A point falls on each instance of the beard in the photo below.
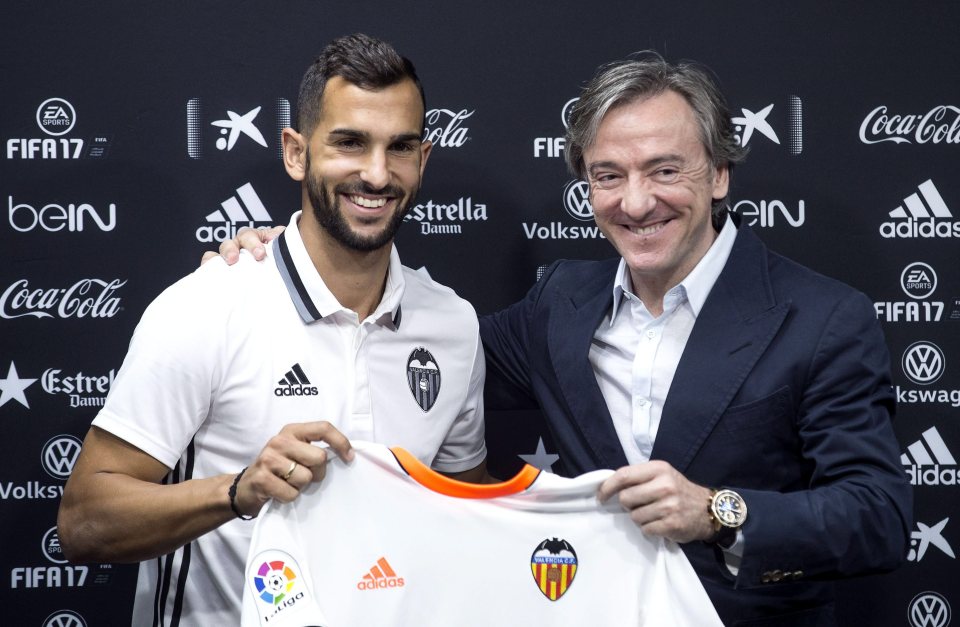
(326, 210)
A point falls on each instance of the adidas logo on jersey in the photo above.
(295, 383)
(380, 576)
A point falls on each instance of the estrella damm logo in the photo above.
(554, 565)
(273, 581)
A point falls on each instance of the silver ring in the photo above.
(293, 466)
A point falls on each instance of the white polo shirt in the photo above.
(385, 541)
(226, 356)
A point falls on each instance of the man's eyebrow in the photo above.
(406, 137)
(651, 163)
(355, 134)
(348, 132)
(602, 165)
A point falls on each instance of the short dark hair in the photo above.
(643, 76)
(359, 59)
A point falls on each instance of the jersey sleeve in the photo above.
(464, 447)
(277, 587)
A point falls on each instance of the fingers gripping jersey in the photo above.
(386, 541)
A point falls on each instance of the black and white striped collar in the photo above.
(310, 295)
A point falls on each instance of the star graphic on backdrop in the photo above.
(751, 122)
(12, 387)
(927, 535)
(541, 459)
(240, 124)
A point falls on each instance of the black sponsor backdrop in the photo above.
(498, 78)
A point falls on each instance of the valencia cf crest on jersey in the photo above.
(423, 376)
(554, 565)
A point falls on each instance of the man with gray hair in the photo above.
(745, 399)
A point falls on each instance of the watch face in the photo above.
(729, 508)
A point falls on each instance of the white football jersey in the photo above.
(384, 540)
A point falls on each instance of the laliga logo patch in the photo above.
(423, 376)
(554, 565)
(273, 581)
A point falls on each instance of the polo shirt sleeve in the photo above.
(163, 391)
(463, 447)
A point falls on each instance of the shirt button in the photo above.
(651, 334)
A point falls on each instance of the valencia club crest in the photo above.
(423, 376)
(554, 565)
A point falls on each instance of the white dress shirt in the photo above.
(634, 355)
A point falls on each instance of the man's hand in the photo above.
(661, 501)
(248, 239)
(288, 463)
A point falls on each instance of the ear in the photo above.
(426, 147)
(294, 154)
(721, 182)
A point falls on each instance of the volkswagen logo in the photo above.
(576, 200)
(923, 362)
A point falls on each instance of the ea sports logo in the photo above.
(576, 200)
(923, 362)
(51, 546)
(56, 116)
(918, 280)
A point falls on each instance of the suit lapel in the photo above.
(738, 320)
(575, 317)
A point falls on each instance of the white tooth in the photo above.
(648, 230)
(363, 202)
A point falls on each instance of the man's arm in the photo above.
(115, 509)
(856, 516)
(848, 513)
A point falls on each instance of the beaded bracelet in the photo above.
(233, 497)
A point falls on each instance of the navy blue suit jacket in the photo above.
(782, 393)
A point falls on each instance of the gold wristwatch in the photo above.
(728, 512)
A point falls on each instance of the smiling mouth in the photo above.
(367, 203)
(647, 230)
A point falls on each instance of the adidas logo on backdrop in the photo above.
(928, 461)
(236, 212)
(921, 215)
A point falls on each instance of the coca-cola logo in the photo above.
(939, 125)
(87, 298)
(444, 127)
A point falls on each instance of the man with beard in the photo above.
(233, 372)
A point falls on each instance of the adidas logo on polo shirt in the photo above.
(295, 383)
(380, 576)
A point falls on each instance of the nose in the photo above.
(375, 171)
(638, 197)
